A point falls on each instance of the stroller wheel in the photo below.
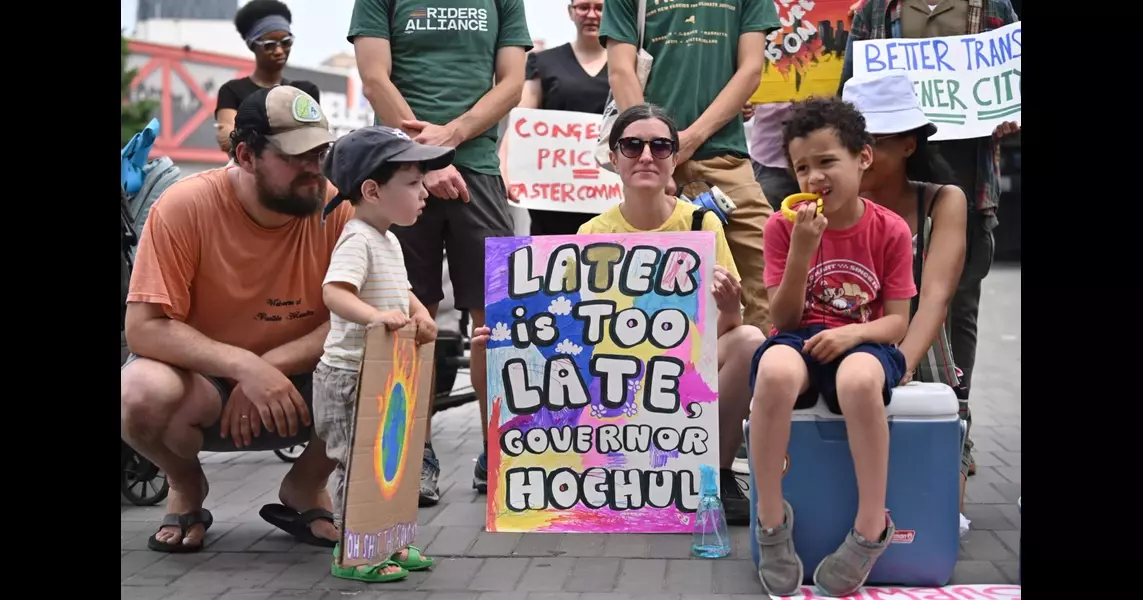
(290, 454)
(141, 481)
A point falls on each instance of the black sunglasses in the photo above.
(632, 147)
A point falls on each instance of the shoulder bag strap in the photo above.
(642, 22)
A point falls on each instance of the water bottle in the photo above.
(711, 538)
(715, 201)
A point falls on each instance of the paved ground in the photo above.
(247, 558)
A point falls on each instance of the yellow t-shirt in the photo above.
(681, 218)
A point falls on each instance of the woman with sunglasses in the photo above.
(644, 149)
(568, 77)
(909, 177)
(265, 26)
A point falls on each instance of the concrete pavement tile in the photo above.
(1010, 539)
(987, 516)
(503, 596)
(132, 562)
(583, 544)
(553, 596)
(546, 574)
(452, 574)
(593, 575)
(1010, 569)
(189, 594)
(985, 459)
(426, 514)
(243, 537)
(1011, 513)
(629, 545)
(689, 577)
(987, 475)
(237, 571)
(984, 545)
(630, 596)
(1010, 491)
(168, 569)
(1012, 459)
(453, 596)
(1011, 441)
(979, 492)
(1010, 473)
(452, 541)
(539, 544)
(277, 541)
(461, 514)
(670, 546)
(494, 544)
(735, 577)
(150, 592)
(299, 594)
(635, 573)
(498, 575)
(247, 595)
(968, 572)
(425, 536)
(304, 573)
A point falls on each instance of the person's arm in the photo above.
(417, 309)
(224, 113)
(897, 288)
(300, 355)
(943, 266)
(348, 271)
(758, 18)
(494, 105)
(889, 329)
(533, 95)
(619, 34)
(784, 275)
(153, 334)
(369, 34)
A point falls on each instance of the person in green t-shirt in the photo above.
(429, 69)
(707, 63)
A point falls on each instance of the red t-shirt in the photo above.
(853, 272)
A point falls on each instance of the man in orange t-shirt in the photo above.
(225, 319)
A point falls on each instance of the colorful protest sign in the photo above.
(550, 163)
(804, 57)
(948, 592)
(967, 84)
(383, 479)
(602, 381)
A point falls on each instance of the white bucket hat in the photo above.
(888, 103)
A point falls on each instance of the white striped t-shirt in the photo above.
(373, 263)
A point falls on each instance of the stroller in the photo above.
(141, 183)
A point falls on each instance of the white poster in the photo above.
(550, 164)
(967, 84)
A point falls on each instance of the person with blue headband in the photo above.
(265, 27)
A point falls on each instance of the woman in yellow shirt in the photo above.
(644, 149)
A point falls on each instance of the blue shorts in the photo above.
(823, 378)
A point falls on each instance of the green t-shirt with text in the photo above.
(444, 58)
(695, 47)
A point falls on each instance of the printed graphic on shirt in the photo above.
(707, 26)
(434, 18)
(280, 309)
(843, 288)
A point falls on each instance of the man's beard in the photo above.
(294, 201)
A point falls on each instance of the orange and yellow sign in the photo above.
(804, 58)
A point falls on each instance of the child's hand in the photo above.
(426, 329)
(828, 345)
(808, 228)
(727, 291)
(392, 319)
(480, 338)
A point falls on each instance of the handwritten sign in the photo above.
(383, 475)
(948, 592)
(550, 162)
(967, 84)
(805, 56)
(602, 381)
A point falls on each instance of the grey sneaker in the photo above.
(845, 571)
(430, 472)
(779, 568)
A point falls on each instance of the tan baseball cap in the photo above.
(290, 119)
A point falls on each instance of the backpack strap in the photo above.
(697, 217)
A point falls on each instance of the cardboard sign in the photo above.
(383, 477)
(804, 58)
(550, 163)
(602, 381)
(967, 84)
(948, 592)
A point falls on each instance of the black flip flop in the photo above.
(184, 523)
(297, 524)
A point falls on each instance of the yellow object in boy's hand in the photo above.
(794, 199)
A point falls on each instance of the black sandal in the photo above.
(297, 523)
(184, 523)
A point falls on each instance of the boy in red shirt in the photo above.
(839, 284)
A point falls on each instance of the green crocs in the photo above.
(366, 573)
(415, 561)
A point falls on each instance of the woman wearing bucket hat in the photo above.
(909, 177)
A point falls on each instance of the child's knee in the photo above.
(782, 375)
(860, 381)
